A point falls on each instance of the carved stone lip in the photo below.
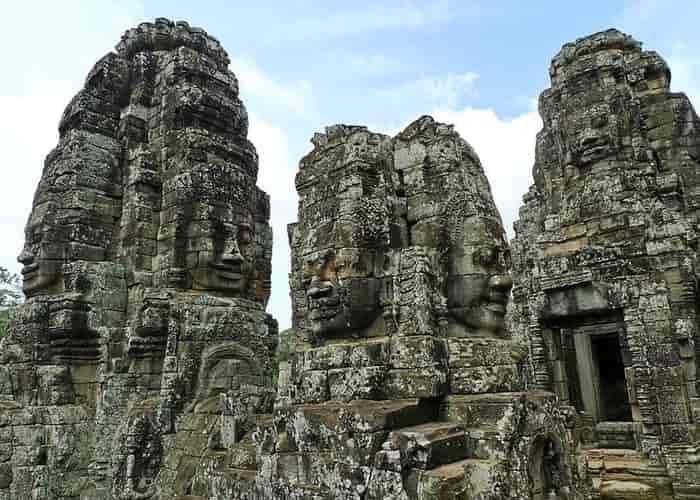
(325, 313)
(497, 302)
(496, 307)
(28, 270)
(594, 150)
(231, 276)
(324, 302)
(227, 271)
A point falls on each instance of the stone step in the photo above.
(476, 410)
(627, 490)
(626, 475)
(358, 428)
(462, 480)
(367, 415)
(616, 435)
(427, 446)
(485, 443)
(614, 460)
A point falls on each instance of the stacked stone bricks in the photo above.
(143, 354)
(607, 244)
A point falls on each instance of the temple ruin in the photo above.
(146, 271)
(605, 265)
(430, 362)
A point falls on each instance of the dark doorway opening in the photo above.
(612, 385)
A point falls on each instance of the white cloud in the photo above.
(255, 83)
(433, 91)
(375, 17)
(506, 148)
(371, 64)
(276, 177)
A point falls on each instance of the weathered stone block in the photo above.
(486, 379)
(419, 382)
(347, 384)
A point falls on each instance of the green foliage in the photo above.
(10, 288)
(10, 296)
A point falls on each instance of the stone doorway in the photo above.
(613, 401)
(601, 373)
(589, 357)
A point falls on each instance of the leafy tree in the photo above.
(10, 296)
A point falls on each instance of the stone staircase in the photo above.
(446, 457)
(624, 474)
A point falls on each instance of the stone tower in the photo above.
(405, 382)
(143, 351)
(605, 262)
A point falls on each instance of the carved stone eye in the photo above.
(244, 235)
(486, 257)
(36, 234)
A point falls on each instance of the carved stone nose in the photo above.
(501, 282)
(25, 257)
(233, 255)
(318, 288)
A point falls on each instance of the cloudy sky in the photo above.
(306, 64)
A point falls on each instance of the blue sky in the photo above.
(307, 64)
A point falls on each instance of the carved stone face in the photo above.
(227, 264)
(478, 283)
(590, 132)
(42, 257)
(340, 280)
(341, 290)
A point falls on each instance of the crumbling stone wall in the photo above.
(606, 244)
(146, 271)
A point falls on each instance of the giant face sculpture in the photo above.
(217, 207)
(590, 132)
(342, 268)
(73, 214)
(478, 284)
(42, 256)
(227, 264)
(341, 290)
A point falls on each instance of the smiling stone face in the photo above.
(341, 243)
(342, 269)
(229, 265)
(214, 233)
(478, 282)
(591, 133)
(42, 258)
(342, 290)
